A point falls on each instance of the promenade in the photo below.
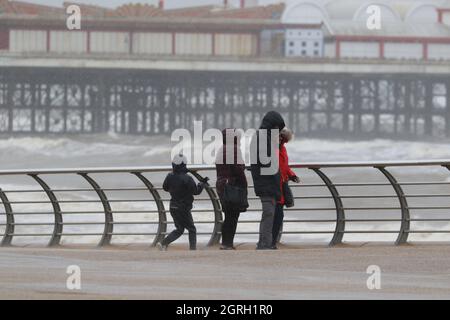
(407, 272)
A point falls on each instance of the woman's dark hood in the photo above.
(179, 164)
(273, 120)
(231, 132)
(230, 149)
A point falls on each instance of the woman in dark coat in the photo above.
(230, 169)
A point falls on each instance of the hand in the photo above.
(204, 180)
(295, 179)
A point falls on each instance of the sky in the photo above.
(115, 3)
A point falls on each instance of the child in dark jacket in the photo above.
(182, 189)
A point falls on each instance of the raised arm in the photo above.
(193, 188)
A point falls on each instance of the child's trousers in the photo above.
(183, 220)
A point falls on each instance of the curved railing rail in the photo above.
(147, 177)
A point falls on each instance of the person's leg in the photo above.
(233, 225)
(227, 228)
(266, 226)
(277, 223)
(179, 228)
(190, 226)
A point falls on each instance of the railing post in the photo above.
(58, 227)
(9, 230)
(340, 214)
(405, 224)
(162, 215)
(109, 220)
(218, 218)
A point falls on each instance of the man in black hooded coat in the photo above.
(267, 185)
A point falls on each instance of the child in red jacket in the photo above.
(287, 175)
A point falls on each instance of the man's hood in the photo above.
(273, 120)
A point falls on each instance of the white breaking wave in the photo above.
(113, 150)
(66, 147)
(371, 150)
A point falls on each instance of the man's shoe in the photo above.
(226, 248)
(161, 247)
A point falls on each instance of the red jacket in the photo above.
(285, 171)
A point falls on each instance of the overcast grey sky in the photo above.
(114, 3)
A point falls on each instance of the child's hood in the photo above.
(179, 164)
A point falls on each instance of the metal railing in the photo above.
(154, 195)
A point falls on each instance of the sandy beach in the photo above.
(407, 272)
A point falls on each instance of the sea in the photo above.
(135, 211)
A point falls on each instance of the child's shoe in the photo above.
(161, 247)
